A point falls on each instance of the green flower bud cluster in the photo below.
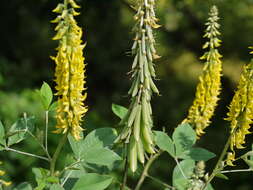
(198, 178)
(138, 121)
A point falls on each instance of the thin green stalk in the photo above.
(161, 182)
(146, 168)
(179, 167)
(41, 145)
(46, 133)
(217, 167)
(122, 187)
(57, 152)
(27, 154)
(240, 170)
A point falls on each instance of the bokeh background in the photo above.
(25, 36)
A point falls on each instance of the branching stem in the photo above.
(218, 165)
(239, 170)
(26, 153)
(125, 173)
(146, 168)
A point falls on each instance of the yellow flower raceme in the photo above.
(70, 70)
(3, 182)
(240, 112)
(208, 88)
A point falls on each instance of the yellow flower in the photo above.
(3, 182)
(240, 112)
(70, 70)
(208, 88)
(230, 158)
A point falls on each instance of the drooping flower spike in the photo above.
(208, 88)
(70, 70)
(138, 122)
(240, 112)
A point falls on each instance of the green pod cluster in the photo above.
(138, 122)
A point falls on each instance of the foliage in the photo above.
(96, 161)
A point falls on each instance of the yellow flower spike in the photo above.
(208, 88)
(70, 70)
(241, 109)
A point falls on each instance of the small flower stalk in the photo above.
(138, 122)
(209, 86)
(3, 182)
(240, 112)
(70, 70)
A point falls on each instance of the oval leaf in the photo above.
(93, 181)
(184, 138)
(164, 142)
(118, 110)
(198, 154)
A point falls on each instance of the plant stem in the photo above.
(179, 167)
(161, 182)
(70, 166)
(125, 173)
(26, 153)
(217, 167)
(66, 178)
(57, 152)
(240, 170)
(46, 132)
(146, 168)
(41, 145)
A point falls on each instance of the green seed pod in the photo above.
(132, 115)
(146, 131)
(133, 155)
(148, 147)
(153, 87)
(140, 151)
(135, 61)
(137, 123)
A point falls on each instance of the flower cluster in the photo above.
(208, 88)
(138, 121)
(240, 112)
(70, 70)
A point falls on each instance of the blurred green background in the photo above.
(26, 45)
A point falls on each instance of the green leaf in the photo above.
(23, 186)
(18, 130)
(2, 134)
(197, 154)
(222, 176)
(178, 180)
(93, 181)
(46, 95)
(249, 162)
(98, 138)
(164, 142)
(43, 178)
(53, 106)
(184, 138)
(248, 158)
(209, 187)
(56, 187)
(118, 110)
(101, 156)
